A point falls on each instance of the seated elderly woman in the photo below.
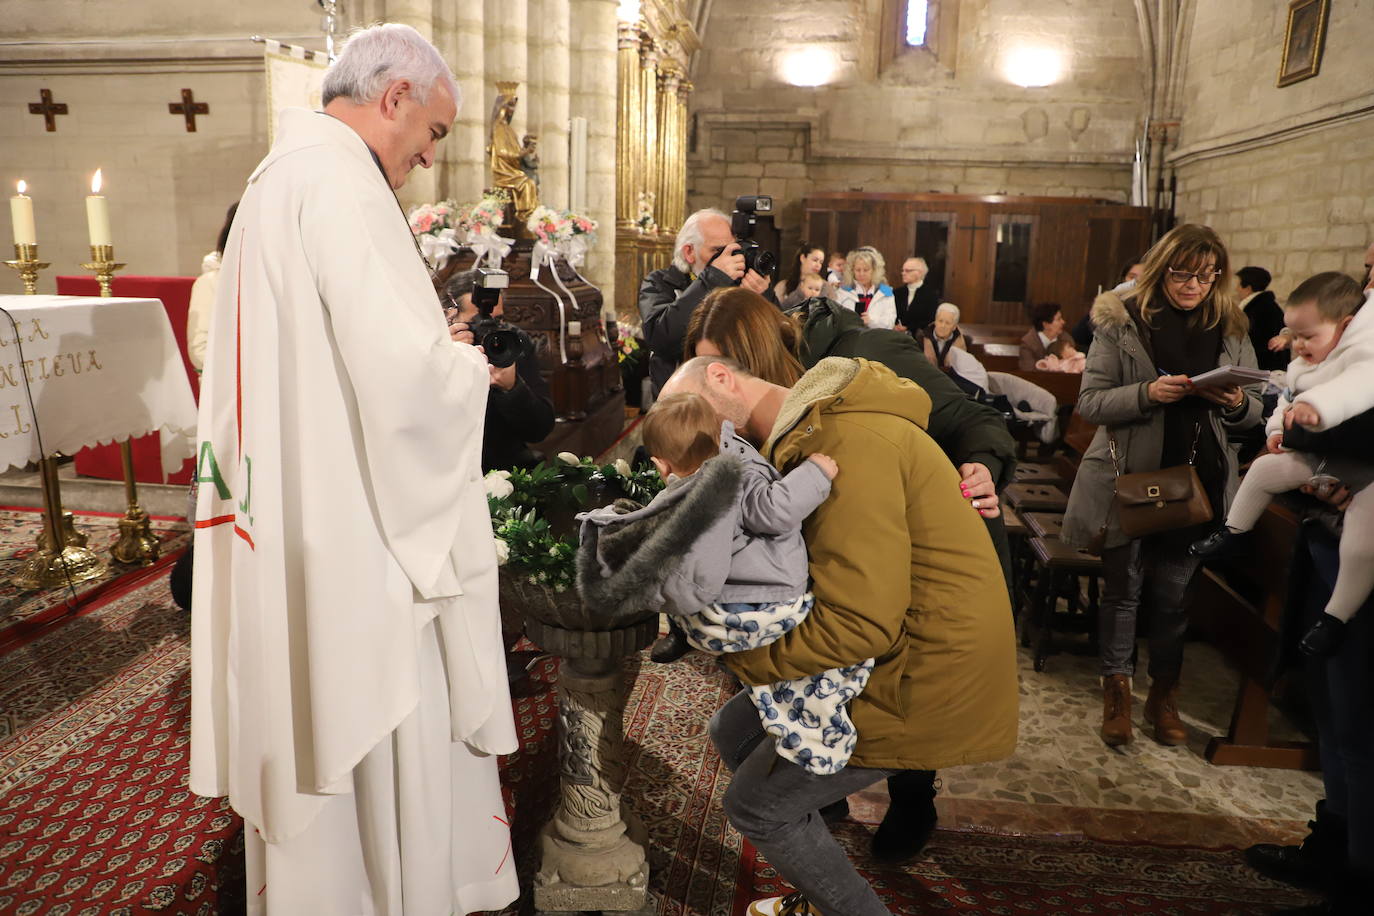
(942, 335)
(865, 291)
(1047, 326)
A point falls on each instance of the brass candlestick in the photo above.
(136, 542)
(103, 265)
(27, 263)
(47, 566)
(61, 557)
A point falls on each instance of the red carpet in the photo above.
(969, 872)
(24, 615)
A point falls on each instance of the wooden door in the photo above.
(991, 255)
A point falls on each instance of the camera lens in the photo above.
(502, 348)
(764, 262)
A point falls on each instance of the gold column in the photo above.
(667, 152)
(648, 132)
(627, 147)
(678, 205)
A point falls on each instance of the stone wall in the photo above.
(944, 120)
(1285, 175)
(117, 65)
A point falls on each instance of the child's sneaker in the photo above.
(794, 904)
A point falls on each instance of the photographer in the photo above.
(519, 408)
(706, 256)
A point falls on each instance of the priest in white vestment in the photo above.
(349, 686)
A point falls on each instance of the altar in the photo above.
(78, 371)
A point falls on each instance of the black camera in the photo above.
(742, 222)
(503, 343)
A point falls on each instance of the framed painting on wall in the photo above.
(1302, 42)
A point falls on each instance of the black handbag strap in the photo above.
(1116, 457)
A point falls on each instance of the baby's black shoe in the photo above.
(1325, 638)
(1220, 544)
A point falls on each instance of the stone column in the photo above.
(594, 98)
(466, 147)
(678, 205)
(423, 185)
(648, 118)
(548, 53)
(506, 58)
(627, 137)
(669, 152)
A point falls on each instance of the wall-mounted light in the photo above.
(1031, 66)
(627, 10)
(810, 66)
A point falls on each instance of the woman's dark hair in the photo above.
(228, 224)
(794, 274)
(1126, 268)
(1043, 313)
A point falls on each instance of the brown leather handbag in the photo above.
(1149, 502)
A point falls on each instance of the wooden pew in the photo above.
(1238, 608)
(993, 333)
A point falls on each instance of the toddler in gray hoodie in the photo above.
(765, 594)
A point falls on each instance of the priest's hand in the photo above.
(461, 332)
(502, 378)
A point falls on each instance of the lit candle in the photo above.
(21, 216)
(98, 214)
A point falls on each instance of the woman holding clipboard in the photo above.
(1146, 386)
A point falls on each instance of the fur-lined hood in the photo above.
(837, 385)
(1110, 311)
(672, 555)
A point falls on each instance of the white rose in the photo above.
(504, 475)
(622, 467)
(502, 552)
(569, 458)
(498, 487)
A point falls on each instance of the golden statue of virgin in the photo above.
(508, 169)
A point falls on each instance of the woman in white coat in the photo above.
(865, 288)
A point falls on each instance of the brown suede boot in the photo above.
(1161, 711)
(1116, 710)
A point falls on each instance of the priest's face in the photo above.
(411, 131)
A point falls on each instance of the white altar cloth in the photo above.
(98, 371)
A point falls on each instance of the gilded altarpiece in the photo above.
(651, 144)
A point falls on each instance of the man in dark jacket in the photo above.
(705, 256)
(916, 299)
(1266, 318)
(519, 407)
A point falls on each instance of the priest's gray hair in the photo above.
(691, 234)
(379, 55)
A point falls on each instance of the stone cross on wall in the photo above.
(48, 109)
(189, 107)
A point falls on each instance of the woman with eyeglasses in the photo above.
(1179, 321)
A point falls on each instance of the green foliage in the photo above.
(519, 518)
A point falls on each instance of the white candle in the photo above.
(577, 165)
(21, 217)
(98, 214)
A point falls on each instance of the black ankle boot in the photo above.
(1315, 863)
(1220, 544)
(910, 819)
(671, 647)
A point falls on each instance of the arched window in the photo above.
(925, 29)
(913, 25)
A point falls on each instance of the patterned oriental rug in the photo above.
(26, 614)
(702, 867)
